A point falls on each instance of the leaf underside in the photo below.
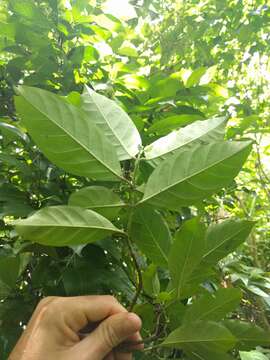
(66, 136)
(192, 175)
(65, 226)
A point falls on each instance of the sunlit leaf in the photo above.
(164, 126)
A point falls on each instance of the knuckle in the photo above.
(111, 299)
(48, 306)
(109, 336)
(46, 301)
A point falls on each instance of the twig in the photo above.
(136, 264)
(139, 287)
(136, 167)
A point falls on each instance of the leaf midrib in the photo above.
(68, 226)
(223, 340)
(103, 206)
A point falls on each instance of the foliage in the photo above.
(121, 144)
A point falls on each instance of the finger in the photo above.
(109, 334)
(78, 311)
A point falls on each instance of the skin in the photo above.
(52, 332)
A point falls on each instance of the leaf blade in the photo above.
(65, 226)
(213, 307)
(186, 253)
(206, 130)
(66, 137)
(115, 122)
(248, 335)
(97, 198)
(151, 233)
(224, 238)
(200, 336)
(194, 174)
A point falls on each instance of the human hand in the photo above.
(52, 332)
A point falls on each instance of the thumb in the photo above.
(110, 333)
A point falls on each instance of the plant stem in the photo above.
(136, 167)
(139, 287)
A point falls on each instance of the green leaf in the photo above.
(15, 208)
(77, 278)
(208, 75)
(74, 98)
(253, 355)
(152, 235)
(16, 163)
(163, 88)
(199, 131)
(9, 270)
(65, 226)
(151, 282)
(108, 22)
(175, 313)
(224, 238)
(148, 316)
(194, 174)
(186, 253)
(248, 335)
(12, 132)
(213, 307)
(201, 337)
(174, 122)
(114, 122)
(90, 54)
(201, 273)
(66, 136)
(98, 198)
(4, 290)
(128, 49)
(9, 192)
(208, 354)
(195, 77)
(7, 30)
(218, 90)
(13, 202)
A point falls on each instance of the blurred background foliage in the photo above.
(167, 63)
